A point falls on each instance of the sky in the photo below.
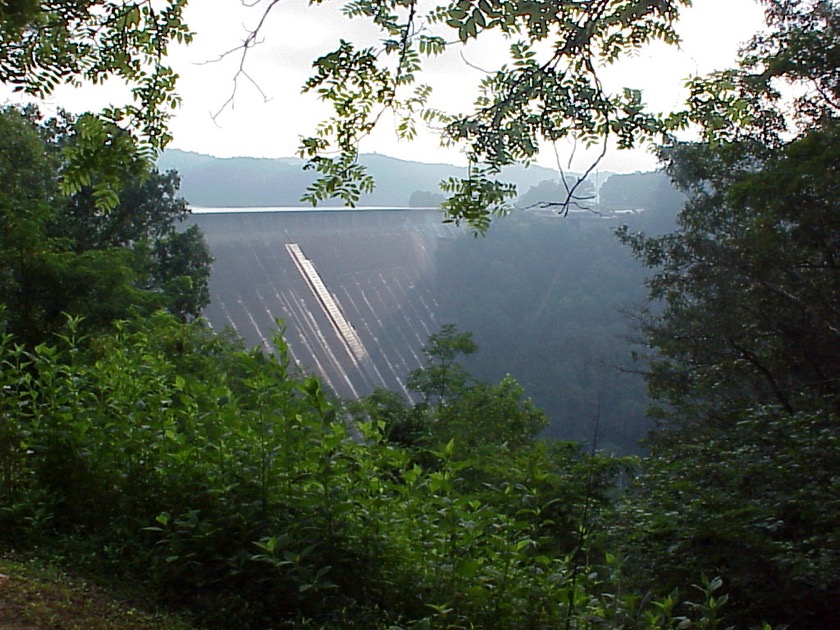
(268, 121)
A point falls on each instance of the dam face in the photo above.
(355, 289)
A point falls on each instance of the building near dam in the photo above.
(354, 289)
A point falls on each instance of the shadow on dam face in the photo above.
(355, 289)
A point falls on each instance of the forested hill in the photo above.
(243, 181)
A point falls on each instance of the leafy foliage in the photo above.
(230, 485)
(754, 502)
(757, 249)
(470, 420)
(745, 351)
(745, 374)
(65, 255)
(44, 45)
(443, 376)
(545, 92)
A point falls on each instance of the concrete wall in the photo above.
(378, 267)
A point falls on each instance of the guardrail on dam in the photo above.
(356, 289)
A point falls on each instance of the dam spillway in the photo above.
(355, 289)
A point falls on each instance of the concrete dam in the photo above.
(355, 289)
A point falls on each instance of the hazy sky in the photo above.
(297, 33)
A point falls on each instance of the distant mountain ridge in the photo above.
(208, 181)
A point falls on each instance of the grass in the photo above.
(36, 596)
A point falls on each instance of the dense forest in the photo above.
(140, 447)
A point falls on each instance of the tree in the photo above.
(443, 376)
(146, 219)
(549, 88)
(425, 199)
(24, 206)
(181, 270)
(475, 417)
(744, 464)
(746, 372)
(43, 45)
(66, 256)
(755, 503)
(487, 417)
(555, 194)
(745, 351)
(149, 206)
(750, 282)
(750, 278)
